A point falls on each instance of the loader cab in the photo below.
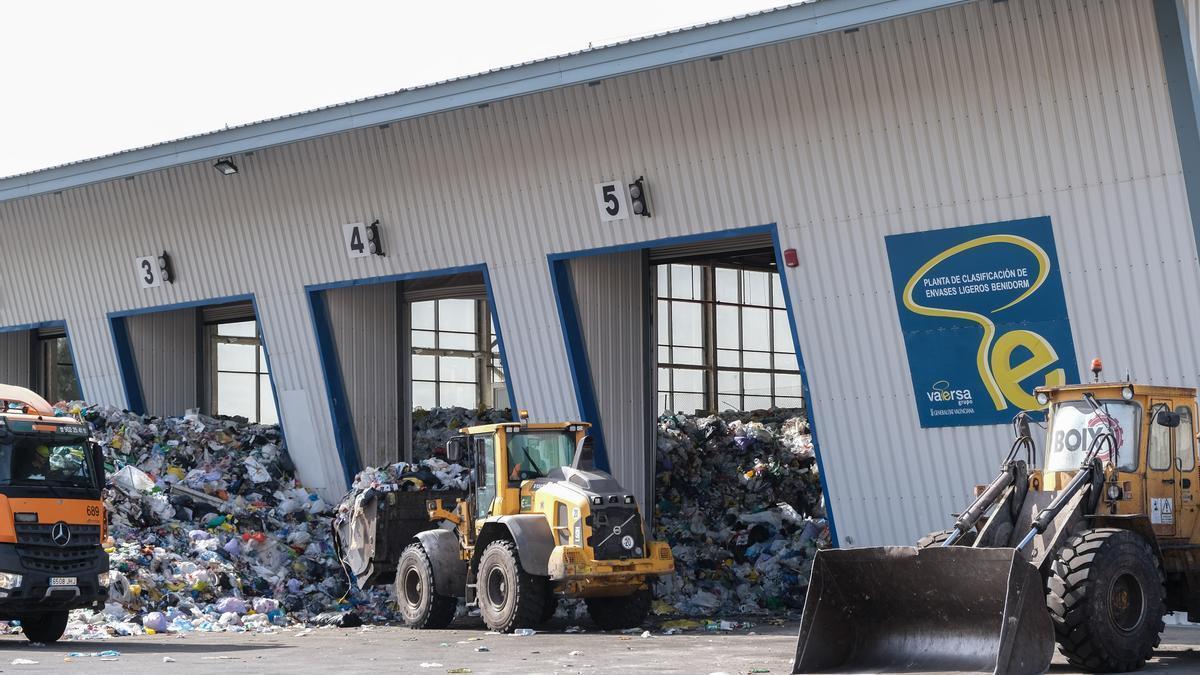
(1151, 469)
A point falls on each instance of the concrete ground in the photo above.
(398, 649)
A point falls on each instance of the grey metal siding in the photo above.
(609, 293)
(165, 348)
(17, 358)
(978, 113)
(364, 323)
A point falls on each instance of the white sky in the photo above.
(83, 79)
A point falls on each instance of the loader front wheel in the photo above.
(509, 597)
(620, 613)
(1106, 599)
(420, 603)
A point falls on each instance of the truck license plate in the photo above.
(62, 581)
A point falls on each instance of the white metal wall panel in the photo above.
(610, 291)
(16, 358)
(365, 322)
(984, 112)
(165, 347)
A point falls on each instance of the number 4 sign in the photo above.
(362, 240)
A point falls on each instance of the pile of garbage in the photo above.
(432, 428)
(738, 497)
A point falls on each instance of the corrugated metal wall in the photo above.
(165, 348)
(610, 293)
(979, 113)
(365, 325)
(16, 358)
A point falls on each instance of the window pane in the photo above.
(788, 385)
(689, 356)
(235, 395)
(664, 323)
(686, 329)
(456, 314)
(786, 362)
(758, 384)
(662, 277)
(454, 394)
(756, 360)
(461, 341)
(238, 329)
(423, 395)
(685, 282)
(756, 288)
(777, 291)
(266, 403)
(1159, 452)
(1185, 440)
(756, 402)
(423, 338)
(785, 402)
(236, 357)
(664, 379)
(729, 402)
(729, 382)
(664, 354)
(727, 327)
(727, 284)
(66, 385)
(456, 369)
(423, 367)
(689, 380)
(688, 402)
(728, 357)
(756, 329)
(422, 315)
(782, 331)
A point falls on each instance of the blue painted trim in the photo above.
(1180, 68)
(748, 32)
(127, 365)
(331, 371)
(577, 360)
(335, 387)
(577, 357)
(508, 384)
(808, 401)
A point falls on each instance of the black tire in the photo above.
(44, 628)
(1106, 598)
(551, 603)
(621, 612)
(935, 539)
(420, 604)
(509, 597)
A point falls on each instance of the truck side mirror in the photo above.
(454, 448)
(1166, 418)
(98, 463)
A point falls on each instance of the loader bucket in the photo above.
(900, 608)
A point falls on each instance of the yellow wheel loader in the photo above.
(536, 524)
(1090, 551)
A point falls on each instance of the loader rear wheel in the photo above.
(420, 603)
(935, 539)
(509, 597)
(619, 613)
(1106, 599)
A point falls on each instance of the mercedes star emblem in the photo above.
(60, 533)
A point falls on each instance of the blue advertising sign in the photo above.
(984, 319)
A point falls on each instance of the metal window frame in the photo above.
(214, 368)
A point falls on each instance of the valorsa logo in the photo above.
(941, 392)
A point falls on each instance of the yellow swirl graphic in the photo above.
(989, 328)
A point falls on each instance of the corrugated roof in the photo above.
(802, 19)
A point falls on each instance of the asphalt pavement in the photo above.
(762, 649)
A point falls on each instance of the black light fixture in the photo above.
(166, 269)
(641, 201)
(226, 166)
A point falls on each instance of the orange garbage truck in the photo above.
(52, 520)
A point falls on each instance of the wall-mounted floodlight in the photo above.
(226, 166)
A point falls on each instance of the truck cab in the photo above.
(52, 520)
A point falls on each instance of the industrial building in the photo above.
(706, 219)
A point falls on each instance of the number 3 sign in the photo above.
(148, 271)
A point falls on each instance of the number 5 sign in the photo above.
(612, 200)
